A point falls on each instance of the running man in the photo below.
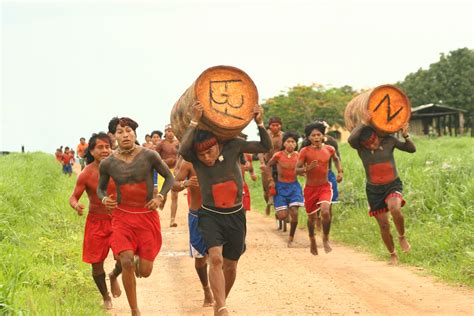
(168, 150)
(314, 162)
(276, 136)
(222, 220)
(186, 179)
(384, 188)
(329, 140)
(98, 229)
(66, 161)
(135, 223)
(289, 196)
(81, 152)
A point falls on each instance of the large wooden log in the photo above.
(388, 105)
(228, 96)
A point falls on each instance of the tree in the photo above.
(302, 104)
(449, 81)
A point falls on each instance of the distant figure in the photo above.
(23, 148)
(81, 152)
(66, 161)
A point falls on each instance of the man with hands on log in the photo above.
(136, 237)
(221, 218)
(383, 187)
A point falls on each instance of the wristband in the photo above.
(103, 199)
(261, 125)
(161, 196)
(193, 123)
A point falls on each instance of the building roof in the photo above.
(433, 108)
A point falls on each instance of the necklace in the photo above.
(289, 154)
(126, 151)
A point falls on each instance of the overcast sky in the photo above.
(67, 67)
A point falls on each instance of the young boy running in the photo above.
(289, 196)
(314, 161)
(98, 230)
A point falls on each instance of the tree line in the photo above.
(449, 81)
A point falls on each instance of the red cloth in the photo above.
(97, 238)
(139, 232)
(246, 197)
(315, 195)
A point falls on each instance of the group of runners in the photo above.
(127, 183)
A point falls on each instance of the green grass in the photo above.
(439, 215)
(41, 272)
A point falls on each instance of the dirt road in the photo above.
(275, 280)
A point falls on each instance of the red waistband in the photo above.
(131, 209)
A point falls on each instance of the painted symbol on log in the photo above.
(390, 116)
(225, 97)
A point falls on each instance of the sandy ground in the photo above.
(275, 280)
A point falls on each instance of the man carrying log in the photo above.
(222, 221)
(384, 187)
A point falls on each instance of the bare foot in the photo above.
(327, 246)
(108, 303)
(313, 248)
(114, 286)
(221, 311)
(393, 259)
(404, 244)
(208, 298)
(173, 224)
(290, 244)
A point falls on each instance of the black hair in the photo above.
(160, 133)
(290, 134)
(311, 127)
(82, 138)
(66, 148)
(123, 121)
(92, 142)
(202, 135)
(147, 135)
(366, 133)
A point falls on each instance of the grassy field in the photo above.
(439, 215)
(41, 272)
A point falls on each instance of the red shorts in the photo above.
(97, 238)
(246, 197)
(136, 229)
(315, 195)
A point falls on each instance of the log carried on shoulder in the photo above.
(228, 96)
(388, 105)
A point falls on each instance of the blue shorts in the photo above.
(67, 169)
(335, 192)
(155, 178)
(288, 195)
(197, 248)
